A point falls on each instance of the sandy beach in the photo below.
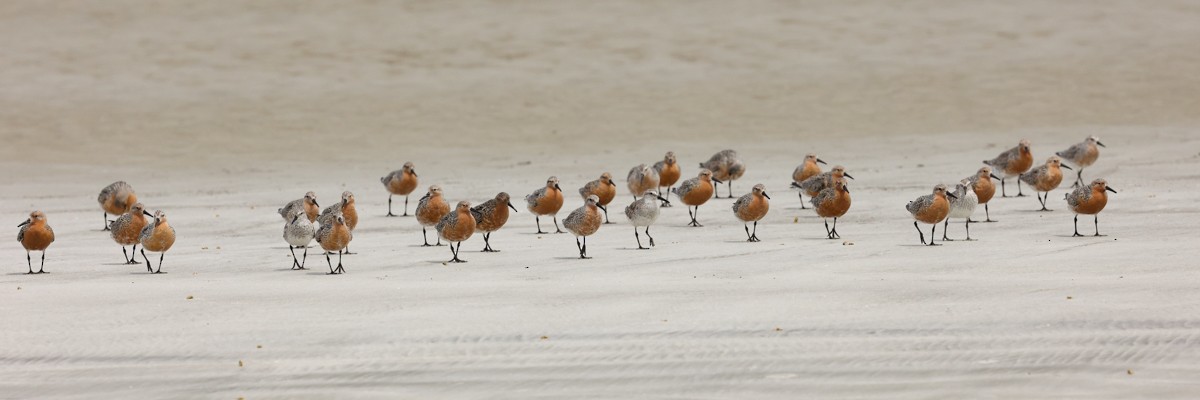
(220, 112)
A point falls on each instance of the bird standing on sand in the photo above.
(816, 183)
(491, 216)
(35, 235)
(583, 222)
(547, 200)
(1083, 155)
(695, 192)
(930, 209)
(116, 199)
(456, 227)
(298, 233)
(726, 166)
(430, 210)
(668, 174)
(604, 189)
(1012, 162)
(308, 204)
(752, 207)
(640, 178)
(400, 182)
(962, 205)
(335, 236)
(346, 209)
(832, 202)
(805, 170)
(127, 228)
(642, 213)
(1045, 178)
(158, 236)
(1089, 200)
(984, 189)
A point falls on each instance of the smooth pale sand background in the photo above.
(218, 112)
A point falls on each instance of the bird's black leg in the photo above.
(29, 260)
(828, 233)
(801, 195)
(932, 235)
(988, 213)
(754, 233)
(1043, 200)
(160, 259)
(834, 231)
(665, 196)
(295, 261)
(919, 232)
(579, 247)
(647, 235)
(748, 237)
(305, 259)
(330, 262)
(1097, 220)
(1002, 192)
(1076, 226)
(730, 189)
(425, 238)
(584, 254)
(1078, 178)
(538, 220)
(340, 270)
(638, 237)
(969, 230)
(390, 207)
(42, 268)
(104, 216)
(1019, 192)
(148, 269)
(946, 229)
(606, 213)
(405, 206)
(556, 228)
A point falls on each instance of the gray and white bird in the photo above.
(298, 233)
(962, 205)
(642, 213)
(726, 166)
(1082, 155)
(641, 178)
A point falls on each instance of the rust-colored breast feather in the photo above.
(936, 212)
(311, 211)
(431, 214)
(1020, 165)
(591, 223)
(461, 229)
(1049, 181)
(403, 186)
(161, 240)
(351, 215)
(985, 189)
(756, 210)
(699, 194)
(606, 193)
(128, 234)
(550, 202)
(494, 220)
(339, 238)
(810, 169)
(117, 206)
(669, 175)
(1093, 204)
(1089, 156)
(37, 237)
(836, 207)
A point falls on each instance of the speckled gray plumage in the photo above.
(636, 176)
(725, 165)
(920, 203)
(1079, 196)
(818, 182)
(299, 231)
(687, 186)
(742, 202)
(148, 230)
(824, 195)
(120, 189)
(329, 213)
(21, 232)
(964, 205)
(643, 211)
(326, 229)
(1034, 175)
(532, 199)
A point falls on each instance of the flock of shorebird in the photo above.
(828, 191)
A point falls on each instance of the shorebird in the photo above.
(962, 205)
(668, 174)
(752, 207)
(984, 189)
(583, 222)
(1089, 200)
(332, 237)
(642, 213)
(641, 178)
(430, 210)
(604, 189)
(816, 183)
(832, 202)
(547, 200)
(1012, 162)
(805, 170)
(116, 199)
(127, 228)
(400, 182)
(298, 233)
(930, 209)
(35, 235)
(1045, 178)
(457, 226)
(1083, 155)
(345, 209)
(695, 192)
(726, 166)
(491, 216)
(157, 236)
(307, 204)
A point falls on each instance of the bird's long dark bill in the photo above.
(952, 195)
(556, 187)
(602, 208)
(29, 221)
(512, 207)
(822, 161)
(1065, 166)
(1101, 144)
(765, 195)
(147, 213)
(995, 177)
(1110, 189)
(847, 175)
(716, 180)
(663, 199)
(315, 203)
